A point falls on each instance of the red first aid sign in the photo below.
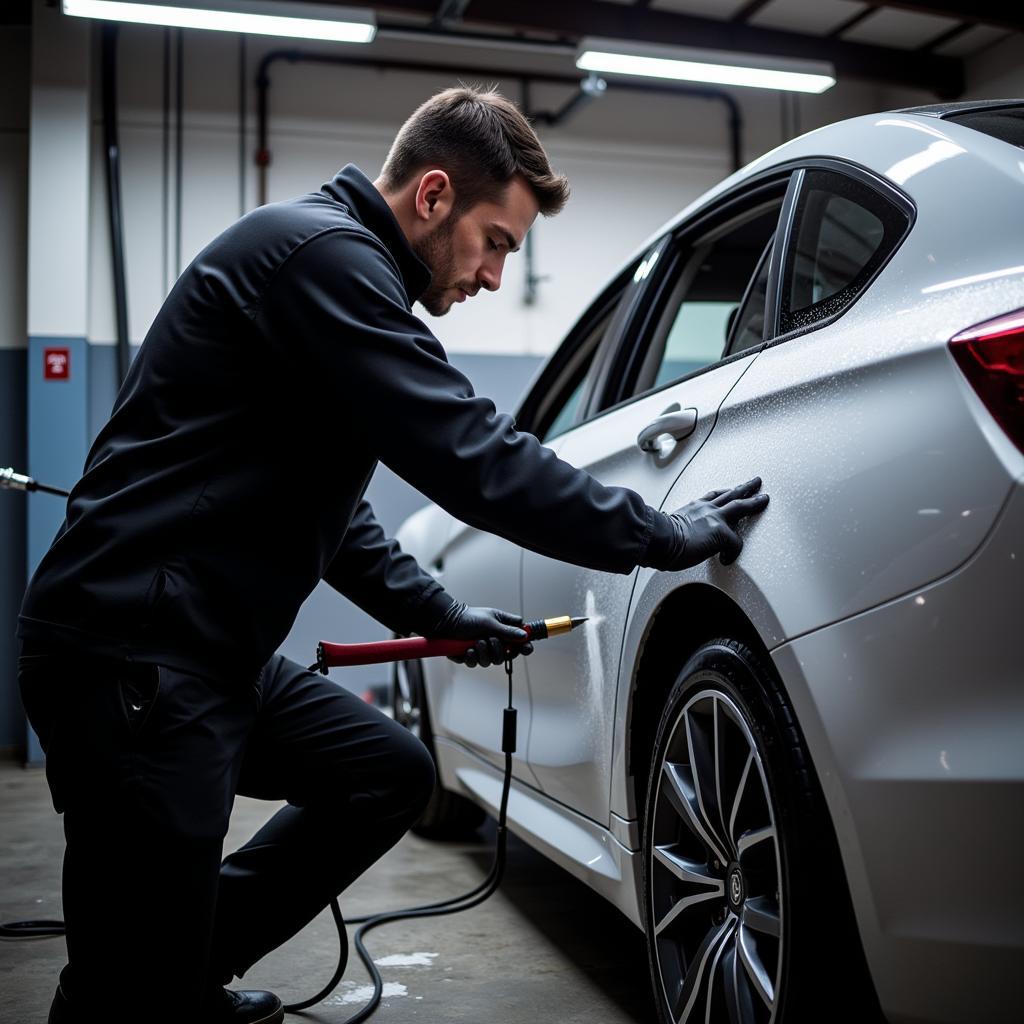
(56, 363)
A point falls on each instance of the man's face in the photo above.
(469, 254)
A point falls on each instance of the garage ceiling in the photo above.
(918, 43)
(902, 42)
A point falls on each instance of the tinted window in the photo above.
(1007, 125)
(843, 231)
(561, 406)
(566, 415)
(709, 284)
(748, 329)
(836, 240)
(695, 339)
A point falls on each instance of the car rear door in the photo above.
(855, 415)
(695, 327)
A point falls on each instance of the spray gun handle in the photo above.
(330, 655)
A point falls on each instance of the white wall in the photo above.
(997, 72)
(14, 106)
(633, 160)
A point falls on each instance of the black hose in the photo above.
(165, 154)
(31, 929)
(116, 215)
(453, 905)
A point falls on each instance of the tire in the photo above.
(448, 815)
(746, 910)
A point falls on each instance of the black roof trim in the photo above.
(962, 107)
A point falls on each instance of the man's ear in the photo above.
(435, 196)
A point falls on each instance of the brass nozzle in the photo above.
(562, 624)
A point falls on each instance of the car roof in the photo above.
(885, 143)
(952, 109)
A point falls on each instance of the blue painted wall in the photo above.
(12, 541)
(57, 443)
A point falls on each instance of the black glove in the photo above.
(496, 633)
(707, 526)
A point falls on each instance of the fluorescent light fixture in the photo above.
(720, 67)
(296, 21)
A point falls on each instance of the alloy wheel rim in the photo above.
(715, 874)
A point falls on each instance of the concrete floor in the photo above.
(543, 949)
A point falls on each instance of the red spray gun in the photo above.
(330, 655)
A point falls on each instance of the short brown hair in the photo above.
(482, 140)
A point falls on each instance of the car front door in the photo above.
(696, 327)
(483, 569)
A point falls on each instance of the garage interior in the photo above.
(207, 126)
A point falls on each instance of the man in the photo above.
(283, 365)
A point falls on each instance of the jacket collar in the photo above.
(351, 187)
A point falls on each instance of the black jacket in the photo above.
(229, 480)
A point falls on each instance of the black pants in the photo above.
(145, 761)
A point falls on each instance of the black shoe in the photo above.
(247, 1007)
(60, 1008)
(224, 1007)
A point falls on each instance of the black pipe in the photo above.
(590, 89)
(301, 56)
(116, 214)
(179, 106)
(243, 87)
(262, 115)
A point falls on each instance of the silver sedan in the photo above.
(802, 774)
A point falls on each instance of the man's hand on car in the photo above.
(498, 634)
(707, 526)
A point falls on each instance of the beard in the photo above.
(435, 250)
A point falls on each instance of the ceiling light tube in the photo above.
(291, 20)
(719, 67)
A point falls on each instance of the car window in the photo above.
(565, 409)
(748, 328)
(1003, 123)
(710, 282)
(843, 231)
(559, 408)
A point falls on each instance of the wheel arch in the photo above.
(687, 618)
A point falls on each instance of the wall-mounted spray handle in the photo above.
(13, 481)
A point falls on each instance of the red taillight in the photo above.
(991, 356)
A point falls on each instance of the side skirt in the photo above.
(585, 849)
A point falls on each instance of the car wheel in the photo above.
(746, 917)
(448, 815)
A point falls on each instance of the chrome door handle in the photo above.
(677, 424)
